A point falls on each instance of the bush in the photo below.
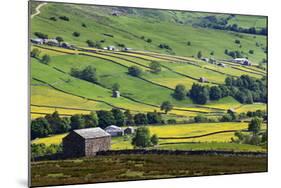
(46, 59)
(165, 46)
(251, 51)
(134, 71)
(200, 119)
(59, 39)
(255, 125)
(41, 35)
(35, 53)
(53, 18)
(179, 92)
(149, 40)
(199, 55)
(88, 73)
(65, 18)
(154, 139)
(142, 138)
(188, 43)
(237, 41)
(155, 67)
(166, 106)
(76, 34)
(171, 121)
(84, 25)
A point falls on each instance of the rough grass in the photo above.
(134, 167)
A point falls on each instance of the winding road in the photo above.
(38, 10)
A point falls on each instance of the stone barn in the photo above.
(86, 142)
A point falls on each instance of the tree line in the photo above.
(244, 89)
(55, 124)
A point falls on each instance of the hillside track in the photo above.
(38, 10)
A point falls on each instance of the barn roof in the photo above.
(91, 133)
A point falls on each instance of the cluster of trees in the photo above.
(88, 73)
(54, 124)
(143, 138)
(245, 89)
(234, 54)
(256, 136)
(134, 71)
(165, 46)
(41, 35)
(93, 44)
(232, 116)
(35, 53)
(149, 40)
(222, 24)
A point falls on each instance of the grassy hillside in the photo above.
(128, 28)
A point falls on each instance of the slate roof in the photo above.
(91, 133)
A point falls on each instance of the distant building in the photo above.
(116, 94)
(86, 142)
(65, 45)
(111, 48)
(205, 59)
(37, 41)
(203, 79)
(129, 130)
(221, 64)
(127, 49)
(114, 130)
(51, 42)
(242, 61)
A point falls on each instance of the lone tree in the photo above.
(155, 67)
(35, 53)
(199, 55)
(115, 87)
(166, 106)
(59, 39)
(46, 59)
(154, 139)
(134, 71)
(255, 125)
(179, 92)
(142, 138)
(76, 34)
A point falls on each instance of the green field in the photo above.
(219, 141)
(130, 27)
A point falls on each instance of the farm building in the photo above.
(203, 79)
(116, 94)
(221, 65)
(111, 48)
(65, 45)
(37, 41)
(242, 61)
(114, 130)
(129, 130)
(205, 59)
(51, 42)
(86, 142)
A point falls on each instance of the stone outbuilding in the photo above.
(129, 130)
(86, 142)
(203, 79)
(116, 94)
